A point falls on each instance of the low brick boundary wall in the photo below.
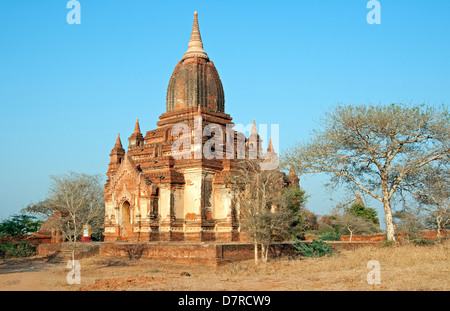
(47, 249)
(365, 238)
(196, 253)
(352, 245)
(431, 235)
(203, 253)
(212, 254)
(84, 250)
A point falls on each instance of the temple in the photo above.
(153, 195)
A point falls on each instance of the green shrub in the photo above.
(424, 242)
(316, 248)
(10, 247)
(324, 228)
(387, 243)
(367, 213)
(19, 225)
(330, 236)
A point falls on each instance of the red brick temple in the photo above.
(151, 195)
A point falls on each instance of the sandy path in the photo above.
(29, 274)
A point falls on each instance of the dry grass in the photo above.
(402, 268)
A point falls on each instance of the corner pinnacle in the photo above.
(137, 129)
(118, 143)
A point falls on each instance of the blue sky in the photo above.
(67, 90)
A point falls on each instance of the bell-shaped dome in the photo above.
(195, 81)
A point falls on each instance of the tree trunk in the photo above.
(74, 246)
(267, 252)
(390, 232)
(73, 259)
(263, 251)
(256, 250)
(438, 229)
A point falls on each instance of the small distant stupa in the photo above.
(358, 200)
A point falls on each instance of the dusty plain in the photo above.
(403, 268)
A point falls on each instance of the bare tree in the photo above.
(353, 224)
(134, 251)
(432, 192)
(409, 222)
(375, 148)
(263, 212)
(78, 200)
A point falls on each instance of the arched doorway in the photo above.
(126, 220)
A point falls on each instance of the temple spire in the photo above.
(254, 131)
(270, 148)
(137, 129)
(116, 156)
(118, 143)
(195, 47)
(358, 200)
(136, 139)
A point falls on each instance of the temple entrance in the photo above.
(154, 198)
(126, 228)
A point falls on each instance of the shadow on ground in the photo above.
(19, 265)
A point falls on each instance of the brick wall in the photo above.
(381, 237)
(211, 254)
(83, 249)
(46, 249)
(364, 238)
(197, 253)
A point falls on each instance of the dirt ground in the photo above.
(402, 268)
